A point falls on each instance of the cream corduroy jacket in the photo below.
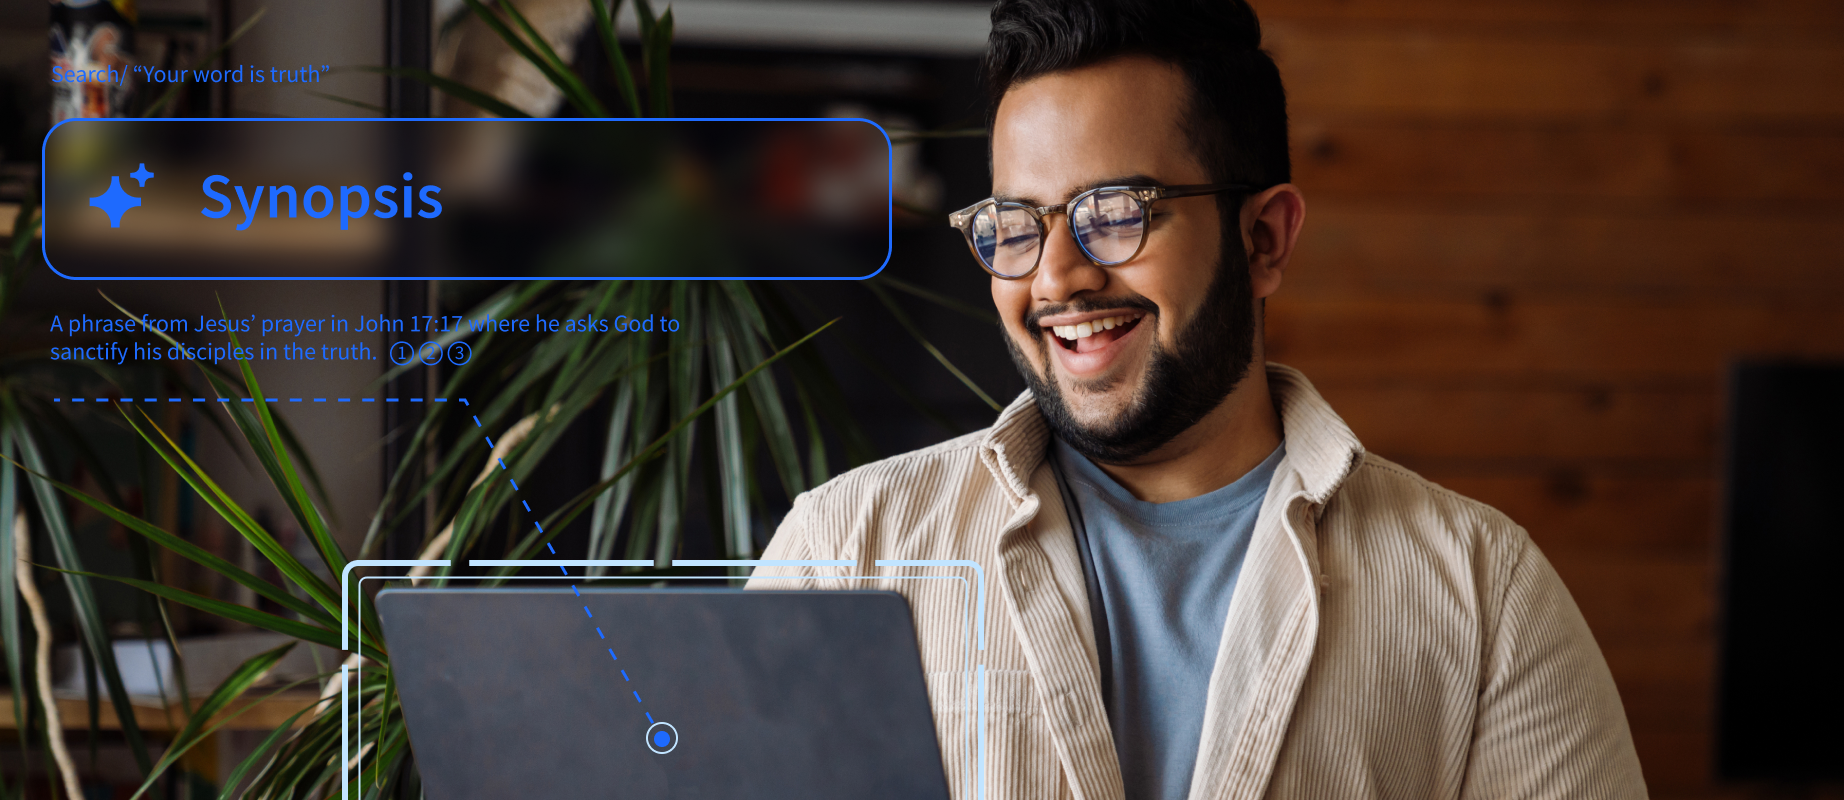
(1387, 638)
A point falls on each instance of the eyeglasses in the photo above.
(1109, 223)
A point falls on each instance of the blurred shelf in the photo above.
(257, 715)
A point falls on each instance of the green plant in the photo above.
(679, 416)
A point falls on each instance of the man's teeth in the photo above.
(1083, 330)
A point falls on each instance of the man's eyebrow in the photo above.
(1124, 180)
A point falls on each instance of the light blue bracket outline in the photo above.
(979, 670)
(346, 574)
(977, 570)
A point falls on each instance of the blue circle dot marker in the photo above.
(406, 176)
(661, 738)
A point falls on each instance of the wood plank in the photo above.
(1726, 13)
(1646, 601)
(1406, 421)
(1355, 248)
(1515, 73)
(1510, 337)
(1683, 667)
(1678, 763)
(1570, 163)
(1576, 514)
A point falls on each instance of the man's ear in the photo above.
(1271, 224)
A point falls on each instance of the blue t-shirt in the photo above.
(1160, 576)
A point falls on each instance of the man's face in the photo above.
(1180, 330)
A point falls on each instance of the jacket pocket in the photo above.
(1020, 758)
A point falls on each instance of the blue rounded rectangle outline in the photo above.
(889, 199)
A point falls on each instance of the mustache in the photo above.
(1083, 305)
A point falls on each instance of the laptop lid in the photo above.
(662, 693)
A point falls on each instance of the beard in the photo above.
(1182, 384)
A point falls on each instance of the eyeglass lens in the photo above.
(1108, 225)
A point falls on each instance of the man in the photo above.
(1203, 586)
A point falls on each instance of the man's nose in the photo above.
(1064, 270)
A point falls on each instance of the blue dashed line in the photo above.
(252, 400)
(549, 547)
(464, 401)
(477, 422)
(637, 697)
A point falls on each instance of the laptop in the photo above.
(662, 693)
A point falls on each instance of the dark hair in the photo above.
(1237, 120)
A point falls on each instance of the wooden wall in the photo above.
(1538, 232)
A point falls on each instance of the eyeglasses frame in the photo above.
(1144, 195)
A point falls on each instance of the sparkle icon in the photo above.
(141, 175)
(115, 201)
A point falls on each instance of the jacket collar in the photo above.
(1272, 625)
(1320, 445)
